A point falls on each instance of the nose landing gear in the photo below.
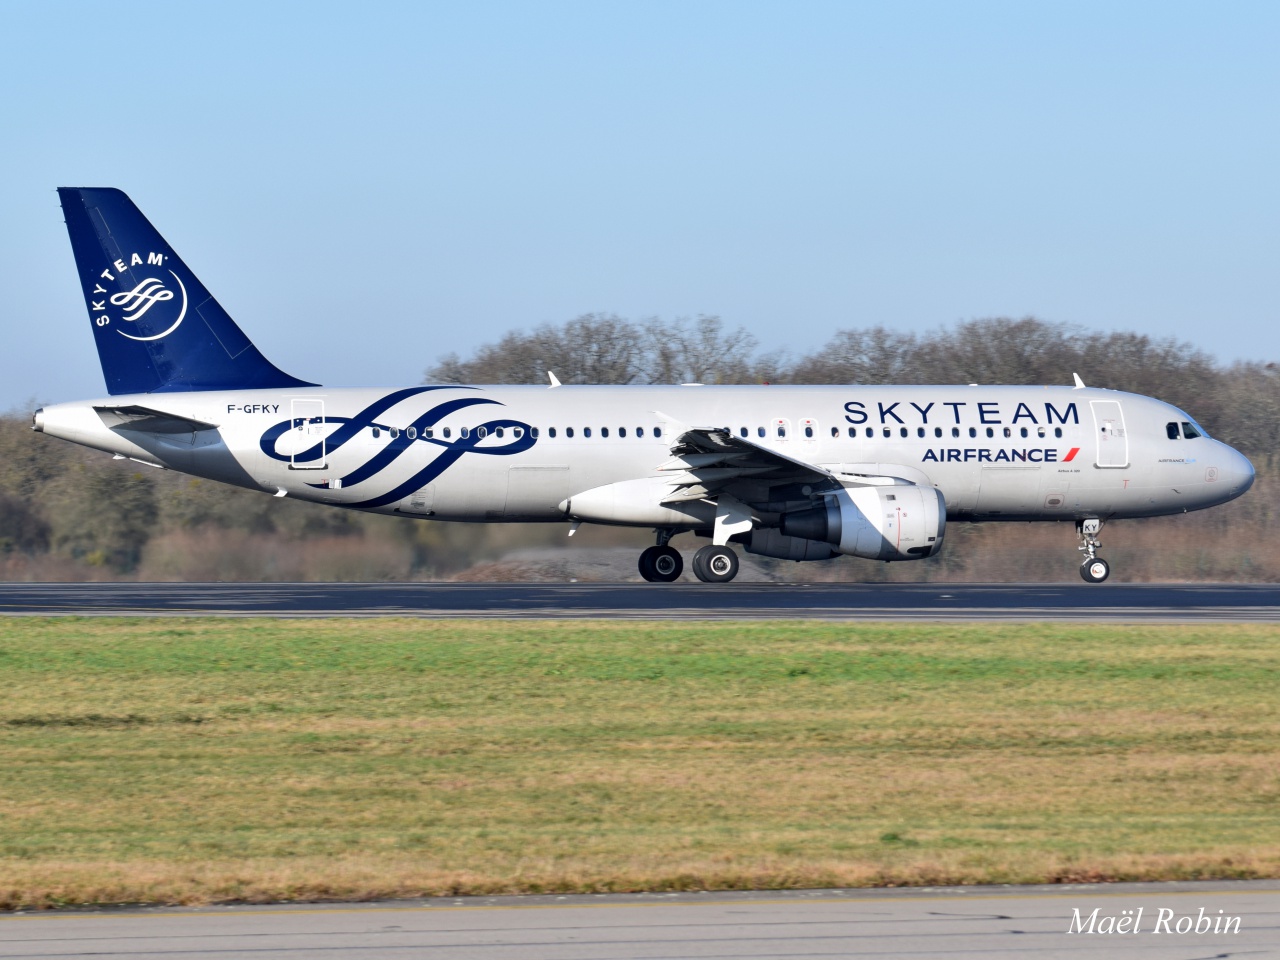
(1093, 569)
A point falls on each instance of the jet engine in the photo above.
(899, 522)
(773, 543)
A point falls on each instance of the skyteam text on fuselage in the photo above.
(801, 473)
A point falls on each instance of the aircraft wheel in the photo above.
(667, 564)
(1095, 570)
(714, 564)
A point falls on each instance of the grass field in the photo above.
(203, 760)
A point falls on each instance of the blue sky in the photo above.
(368, 186)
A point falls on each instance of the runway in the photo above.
(1178, 603)
(957, 922)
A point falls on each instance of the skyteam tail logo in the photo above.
(497, 437)
(137, 303)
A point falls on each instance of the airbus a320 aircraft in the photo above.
(800, 473)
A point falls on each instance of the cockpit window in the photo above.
(1171, 429)
(1189, 430)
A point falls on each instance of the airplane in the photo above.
(802, 473)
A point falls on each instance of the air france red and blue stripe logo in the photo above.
(988, 455)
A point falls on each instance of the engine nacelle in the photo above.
(774, 543)
(899, 522)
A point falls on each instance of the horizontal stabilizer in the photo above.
(146, 420)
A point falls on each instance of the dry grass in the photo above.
(189, 760)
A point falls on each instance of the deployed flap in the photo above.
(708, 460)
(146, 420)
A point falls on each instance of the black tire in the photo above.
(646, 564)
(1095, 570)
(667, 564)
(714, 564)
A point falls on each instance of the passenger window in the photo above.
(428, 432)
(781, 428)
(464, 432)
(412, 433)
(742, 431)
(533, 432)
(622, 432)
(903, 431)
(870, 433)
(888, 432)
(919, 431)
(448, 432)
(937, 431)
(990, 432)
(1171, 430)
(568, 431)
(516, 432)
(835, 432)
(499, 432)
(551, 432)
(1008, 432)
(657, 432)
(1039, 431)
(394, 433)
(639, 431)
(759, 431)
(1189, 431)
(1057, 431)
(481, 432)
(1024, 431)
(955, 431)
(973, 431)
(376, 433)
(604, 432)
(586, 431)
(853, 433)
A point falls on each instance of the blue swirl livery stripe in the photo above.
(402, 443)
(451, 450)
(350, 427)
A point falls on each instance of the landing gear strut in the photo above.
(714, 564)
(662, 563)
(1093, 569)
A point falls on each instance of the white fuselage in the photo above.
(995, 453)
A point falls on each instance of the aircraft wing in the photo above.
(708, 460)
(147, 420)
(711, 460)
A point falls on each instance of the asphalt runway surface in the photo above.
(754, 601)
(960, 922)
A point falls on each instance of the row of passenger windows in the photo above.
(937, 432)
(780, 430)
(501, 432)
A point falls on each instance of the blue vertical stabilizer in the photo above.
(156, 326)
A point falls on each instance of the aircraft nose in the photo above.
(1237, 471)
(1246, 472)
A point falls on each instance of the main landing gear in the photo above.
(1093, 569)
(714, 564)
(663, 564)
